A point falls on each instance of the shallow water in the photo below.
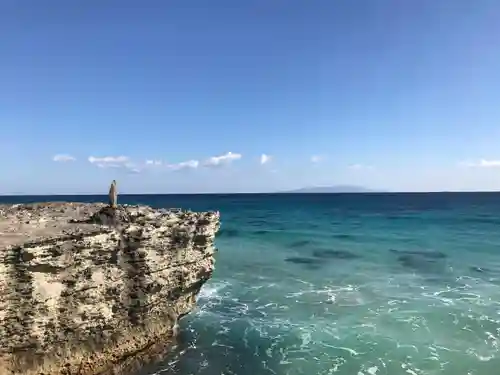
(345, 284)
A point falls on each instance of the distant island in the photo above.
(334, 189)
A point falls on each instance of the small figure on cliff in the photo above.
(113, 195)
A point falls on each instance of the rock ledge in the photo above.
(89, 289)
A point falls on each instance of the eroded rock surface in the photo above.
(86, 288)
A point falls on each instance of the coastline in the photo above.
(90, 289)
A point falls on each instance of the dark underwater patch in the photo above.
(411, 261)
(421, 264)
(258, 222)
(483, 220)
(301, 243)
(343, 236)
(310, 225)
(422, 261)
(399, 217)
(269, 225)
(302, 260)
(334, 254)
(307, 263)
(421, 253)
(479, 269)
(261, 232)
(228, 232)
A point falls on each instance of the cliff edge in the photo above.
(90, 289)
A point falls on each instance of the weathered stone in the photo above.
(92, 289)
(113, 194)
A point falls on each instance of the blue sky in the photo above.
(186, 96)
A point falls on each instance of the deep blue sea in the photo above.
(347, 284)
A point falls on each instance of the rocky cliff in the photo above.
(88, 289)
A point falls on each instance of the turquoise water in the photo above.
(358, 284)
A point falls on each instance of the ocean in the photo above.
(347, 284)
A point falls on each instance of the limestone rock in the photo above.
(113, 194)
(91, 289)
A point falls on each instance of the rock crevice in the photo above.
(89, 289)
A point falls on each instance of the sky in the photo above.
(186, 96)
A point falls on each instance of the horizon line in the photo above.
(260, 193)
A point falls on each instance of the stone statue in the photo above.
(113, 195)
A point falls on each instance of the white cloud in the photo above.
(222, 159)
(115, 162)
(109, 161)
(316, 158)
(136, 167)
(63, 158)
(481, 164)
(265, 159)
(154, 162)
(133, 169)
(190, 164)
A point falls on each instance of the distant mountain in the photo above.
(333, 189)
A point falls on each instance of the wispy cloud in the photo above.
(154, 162)
(317, 158)
(483, 163)
(115, 162)
(126, 163)
(109, 161)
(63, 158)
(190, 164)
(133, 168)
(358, 167)
(265, 159)
(222, 159)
